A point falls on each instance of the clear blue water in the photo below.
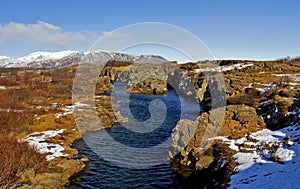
(104, 174)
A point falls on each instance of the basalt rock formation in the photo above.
(155, 78)
(193, 148)
(259, 95)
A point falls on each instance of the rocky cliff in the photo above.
(259, 95)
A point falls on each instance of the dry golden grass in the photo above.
(15, 157)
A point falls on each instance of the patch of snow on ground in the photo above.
(2, 87)
(263, 142)
(70, 109)
(272, 174)
(39, 141)
(268, 84)
(224, 68)
(284, 154)
(11, 110)
(265, 86)
(267, 136)
(263, 90)
(246, 160)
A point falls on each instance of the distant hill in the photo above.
(66, 58)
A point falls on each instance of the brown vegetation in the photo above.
(16, 120)
(16, 157)
(27, 99)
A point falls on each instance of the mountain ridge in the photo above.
(67, 58)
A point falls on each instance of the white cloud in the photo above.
(115, 35)
(41, 33)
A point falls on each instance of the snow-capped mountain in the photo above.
(43, 56)
(4, 57)
(66, 58)
(4, 60)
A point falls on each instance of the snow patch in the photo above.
(267, 136)
(294, 77)
(224, 68)
(39, 141)
(11, 110)
(284, 154)
(270, 174)
(70, 109)
(266, 87)
(262, 142)
(263, 90)
(246, 160)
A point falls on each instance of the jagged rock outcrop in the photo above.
(55, 178)
(192, 138)
(155, 78)
(150, 87)
(103, 86)
(211, 91)
(113, 68)
(278, 109)
(90, 90)
(259, 95)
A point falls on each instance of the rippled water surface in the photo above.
(103, 173)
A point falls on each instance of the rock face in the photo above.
(259, 95)
(150, 87)
(277, 110)
(241, 120)
(197, 151)
(113, 68)
(57, 178)
(155, 78)
(211, 91)
(103, 86)
(91, 91)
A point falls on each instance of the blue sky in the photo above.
(232, 29)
